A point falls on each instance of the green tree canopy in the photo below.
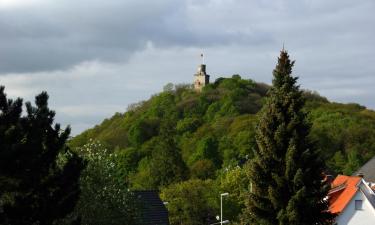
(105, 198)
(165, 164)
(191, 202)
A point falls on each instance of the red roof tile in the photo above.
(342, 191)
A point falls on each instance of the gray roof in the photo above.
(153, 209)
(367, 170)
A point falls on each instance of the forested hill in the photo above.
(200, 133)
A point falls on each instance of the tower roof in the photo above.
(201, 69)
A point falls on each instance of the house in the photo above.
(153, 210)
(352, 200)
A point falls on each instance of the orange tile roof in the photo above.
(342, 191)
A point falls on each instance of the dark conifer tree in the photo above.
(286, 173)
(38, 174)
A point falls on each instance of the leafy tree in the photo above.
(166, 165)
(245, 142)
(354, 162)
(203, 169)
(105, 197)
(235, 181)
(126, 161)
(38, 173)
(168, 87)
(286, 172)
(207, 149)
(188, 125)
(141, 179)
(142, 130)
(191, 202)
(338, 162)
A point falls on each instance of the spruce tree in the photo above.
(38, 174)
(286, 173)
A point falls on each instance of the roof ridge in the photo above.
(338, 188)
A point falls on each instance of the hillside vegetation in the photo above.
(180, 141)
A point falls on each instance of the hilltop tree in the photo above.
(286, 173)
(167, 166)
(38, 174)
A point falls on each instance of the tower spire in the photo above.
(202, 57)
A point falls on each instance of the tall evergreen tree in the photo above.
(286, 173)
(38, 174)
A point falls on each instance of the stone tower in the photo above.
(201, 79)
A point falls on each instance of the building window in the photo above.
(358, 204)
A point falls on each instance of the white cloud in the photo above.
(18, 3)
(84, 110)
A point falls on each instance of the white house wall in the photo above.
(351, 216)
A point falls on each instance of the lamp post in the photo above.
(224, 222)
(221, 207)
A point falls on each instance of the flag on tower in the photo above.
(202, 58)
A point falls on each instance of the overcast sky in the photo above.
(96, 57)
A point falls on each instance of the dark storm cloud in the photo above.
(56, 35)
(60, 34)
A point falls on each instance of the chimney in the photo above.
(329, 179)
(360, 174)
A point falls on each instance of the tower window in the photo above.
(358, 204)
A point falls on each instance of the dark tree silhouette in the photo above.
(38, 173)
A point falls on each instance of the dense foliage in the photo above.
(286, 172)
(212, 135)
(105, 198)
(38, 174)
(222, 120)
(191, 202)
(211, 130)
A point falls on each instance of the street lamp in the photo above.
(224, 222)
(221, 207)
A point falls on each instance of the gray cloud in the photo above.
(107, 54)
(60, 34)
(57, 35)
